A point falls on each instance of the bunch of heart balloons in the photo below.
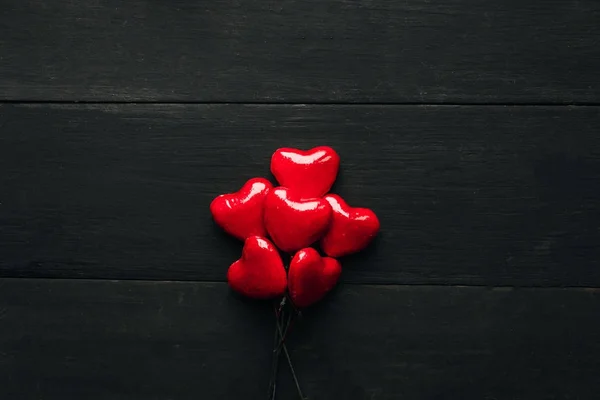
(292, 217)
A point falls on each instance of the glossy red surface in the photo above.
(311, 276)
(308, 173)
(294, 223)
(241, 213)
(351, 229)
(259, 273)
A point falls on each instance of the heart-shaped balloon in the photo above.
(311, 276)
(241, 213)
(351, 229)
(292, 222)
(308, 173)
(259, 273)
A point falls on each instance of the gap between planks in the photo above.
(303, 103)
(380, 285)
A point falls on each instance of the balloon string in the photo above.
(282, 331)
(274, 364)
(287, 330)
(279, 316)
(283, 335)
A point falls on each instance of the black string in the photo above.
(283, 335)
(279, 315)
(283, 325)
(281, 331)
(274, 362)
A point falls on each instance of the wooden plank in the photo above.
(451, 51)
(99, 340)
(466, 195)
(160, 340)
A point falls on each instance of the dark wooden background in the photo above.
(471, 127)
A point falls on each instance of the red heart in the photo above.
(311, 276)
(351, 229)
(308, 173)
(259, 273)
(241, 213)
(294, 223)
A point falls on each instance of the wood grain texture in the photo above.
(452, 51)
(466, 195)
(133, 340)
